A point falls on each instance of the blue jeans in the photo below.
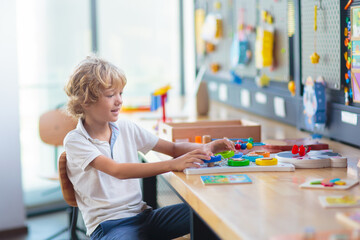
(163, 223)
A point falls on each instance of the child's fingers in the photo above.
(196, 159)
(200, 156)
(200, 151)
(229, 144)
(192, 165)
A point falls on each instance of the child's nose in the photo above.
(119, 99)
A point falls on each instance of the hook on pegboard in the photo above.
(320, 7)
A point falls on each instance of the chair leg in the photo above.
(57, 234)
(73, 223)
(73, 216)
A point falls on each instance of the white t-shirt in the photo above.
(101, 197)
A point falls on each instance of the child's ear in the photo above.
(85, 105)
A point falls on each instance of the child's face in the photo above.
(107, 108)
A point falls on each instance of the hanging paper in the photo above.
(264, 46)
(212, 28)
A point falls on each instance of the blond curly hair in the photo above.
(91, 77)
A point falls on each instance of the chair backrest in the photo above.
(66, 186)
(54, 125)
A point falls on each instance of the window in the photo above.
(142, 38)
(53, 36)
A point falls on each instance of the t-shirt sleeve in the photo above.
(79, 150)
(144, 139)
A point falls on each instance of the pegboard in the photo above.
(328, 45)
(221, 55)
(278, 9)
(252, 11)
(249, 18)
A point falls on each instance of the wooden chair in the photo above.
(69, 196)
(53, 127)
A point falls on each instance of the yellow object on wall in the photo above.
(212, 29)
(219, 28)
(199, 22)
(264, 47)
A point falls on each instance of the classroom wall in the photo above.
(12, 211)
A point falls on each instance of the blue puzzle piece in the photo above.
(216, 158)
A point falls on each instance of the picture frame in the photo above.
(355, 23)
(355, 53)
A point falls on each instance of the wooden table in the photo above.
(273, 204)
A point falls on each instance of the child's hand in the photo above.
(190, 159)
(220, 145)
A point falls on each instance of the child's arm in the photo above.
(185, 155)
(142, 170)
(178, 149)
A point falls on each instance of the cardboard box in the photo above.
(186, 131)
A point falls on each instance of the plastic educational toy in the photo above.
(300, 150)
(266, 161)
(226, 154)
(279, 145)
(238, 155)
(206, 139)
(315, 57)
(292, 87)
(214, 67)
(314, 103)
(240, 49)
(252, 156)
(244, 143)
(238, 162)
(210, 47)
(262, 81)
(198, 139)
(213, 159)
(262, 153)
(212, 29)
(264, 45)
(348, 4)
(349, 183)
(339, 201)
(313, 159)
(160, 94)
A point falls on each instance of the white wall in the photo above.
(12, 211)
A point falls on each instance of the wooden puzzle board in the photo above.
(313, 159)
(324, 203)
(223, 168)
(349, 183)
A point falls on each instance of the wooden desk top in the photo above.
(273, 204)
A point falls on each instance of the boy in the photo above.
(102, 160)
